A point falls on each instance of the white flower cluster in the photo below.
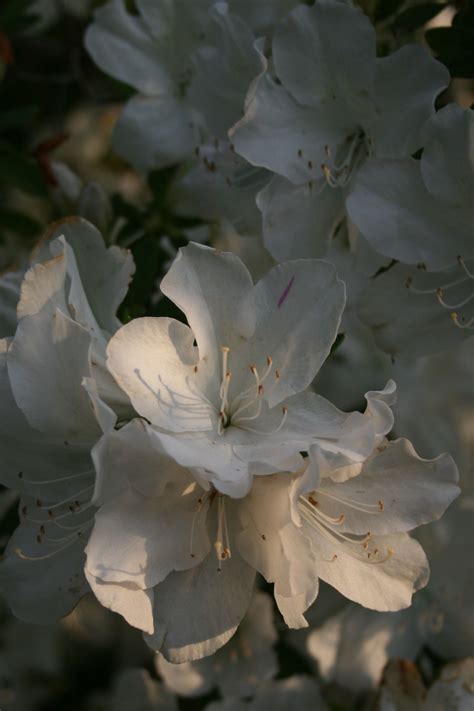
(162, 464)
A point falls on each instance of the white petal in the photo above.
(198, 611)
(43, 287)
(153, 359)
(224, 71)
(116, 34)
(47, 361)
(391, 206)
(397, 134)
(299, 306)
(298, 221)
(188, 679)
(262, 136)
(409, 324)
(386, 586)
(140, 541)
(154, 132)
(447, 163)
(273, 545)
(130, 458)
(41, 591)
(133, 603)
(30, 456)
(215, 292)
(317, 70)
(103, 273)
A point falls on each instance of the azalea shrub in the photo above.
(236, 355)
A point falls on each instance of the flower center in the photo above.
(358, 546)
(453, 295)
(339, 169)
(247, 405)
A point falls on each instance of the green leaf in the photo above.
(16, 15)
(415, 17)
(20, 171)
(19, 223)
(386, 8)
(17, 117)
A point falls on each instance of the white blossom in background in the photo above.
(413, 313)
(238, 668)
(325, 111)
(236, 403)
(402, 688)
(52, 415)
(421, 211)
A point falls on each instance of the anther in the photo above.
(381, 505)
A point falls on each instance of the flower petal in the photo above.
(123, 545)
(391, 206)
(298, 221)
(155, 132)
(397, 134)
(198, 611)
(447, 163)
(299, 307)
(215, 292)
(314, 68)
(47, 361)
(385, 586)
(116, 34)
(134, 604)
(153, 359)
(396, 491)
(38, 589)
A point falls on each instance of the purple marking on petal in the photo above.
(286, 291)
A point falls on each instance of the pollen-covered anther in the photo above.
(381, 505)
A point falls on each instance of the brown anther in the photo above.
(38, 503)
(341, 518)
(277, 373)
(20, 475)
(408, 282)
(269, 360)
(313, 501)
(253, 369)
(365, 545)
(334, 557)
(260, 389)
(71, 508)
(264, 538)
(310, 164)
(192, 555)
(376, 550)
(284, 410)
(300, 153)
(195, 369)
(42, 530)
(439, 291)
(50, 513)
(225, 349)
(39, 539)
(381, 505)
(24, 510)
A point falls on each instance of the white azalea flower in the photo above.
(200, 88)
(402, 688)
(421, 211)
(236, 403)
(238, 668)
(190, 592)
(331, 110)
(413, 312)
(52, 415)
